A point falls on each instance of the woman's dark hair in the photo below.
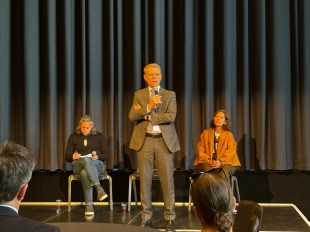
(214, 201)
(227, 125)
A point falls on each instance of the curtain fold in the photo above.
(5, 64)
(60, 59)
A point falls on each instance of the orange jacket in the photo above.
(226, 148)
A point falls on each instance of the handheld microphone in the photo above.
(156, 106)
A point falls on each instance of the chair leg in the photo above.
(235, 188)
(135, 190)
(190, 195)
(111, 193)
(129, 193)
(237, 191)
(69, 194)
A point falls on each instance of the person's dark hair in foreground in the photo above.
(213, 202)
(16, 166)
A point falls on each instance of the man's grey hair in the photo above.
(16, 166)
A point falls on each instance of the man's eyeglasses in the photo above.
(153, 75)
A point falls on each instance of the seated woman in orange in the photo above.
(217, 146)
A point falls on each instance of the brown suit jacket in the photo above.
(165, 117)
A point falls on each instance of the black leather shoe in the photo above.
(146, 223)
(170, 225)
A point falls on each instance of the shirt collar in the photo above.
(158, 88)
(9, 206)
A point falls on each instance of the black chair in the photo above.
(248, 217)
(103, 176)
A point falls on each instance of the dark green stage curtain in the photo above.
(60, 59)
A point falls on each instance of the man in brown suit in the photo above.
(154, 138)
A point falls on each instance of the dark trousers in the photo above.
(155, 149)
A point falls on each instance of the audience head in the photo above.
(86, 126)
(16, 166)
(213, 201)
(227, 124)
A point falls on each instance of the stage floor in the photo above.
(276, 217)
